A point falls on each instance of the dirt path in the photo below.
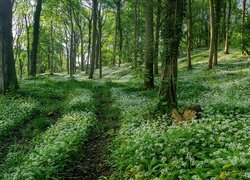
(93, 164)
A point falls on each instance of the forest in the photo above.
(125, 89)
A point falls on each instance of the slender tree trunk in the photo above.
(100, 25)
(94, 36)
(116, 39)
(216, 31)
(52, 49)
(243, 48)
(136, 32)
(149, 46)
(28, 43)
(224, 22)
(8, 79)
(71, 51)
(157, 36)
(89, 44)
(190, 28)
(211, 51)
(35, 42)
(120, 34)
(228, 23)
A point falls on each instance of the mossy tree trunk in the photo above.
(173, 13)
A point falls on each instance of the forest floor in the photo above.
(56, 127)
(94, 162)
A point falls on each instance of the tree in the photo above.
(228, 23)
(149, 46)
(157, 36)
(8, 79)
(216, 30)
(94, 38)
(189, 48)
(35, 43)
(243, 47)
(212, 36)
(173, 13)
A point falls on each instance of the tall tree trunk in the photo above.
(136, 32)
(157, 36)
(216, 31)
(224, 21)
(94, 36)
(173, 13)
(8, 79)
(116, 39)
(89, 44)
(35, 42)
(52, 49)
(190, 28)
(228, 23)
(211, 50)
(243, 48)
(100, 25)
(149, 46)
(71, 51)
(28, 43)
(120, 33)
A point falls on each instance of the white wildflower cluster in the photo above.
(54, 147)
(81, 99)
(15, 112)
(206, 148)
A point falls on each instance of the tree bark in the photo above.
(28, 43)
(8, 79)
(36, 31)
(243, 48)
(94, 37)
(189, 60)
(216, 31)
(157, 36)
(173, 13)
(149, 46)
(228, 23)
(211, 50)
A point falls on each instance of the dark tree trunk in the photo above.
(36, 30)
(94, 37)
(216, 31)
(8, 79)
(157, 36)
(89, 44)
(211, 50)
(149, 46)
(243, 48)
(190, 28)
(136, 32)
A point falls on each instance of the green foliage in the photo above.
(215, 146)
(54, 148)
(51, 142)
(14, 112)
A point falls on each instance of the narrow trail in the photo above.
(93, 164)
